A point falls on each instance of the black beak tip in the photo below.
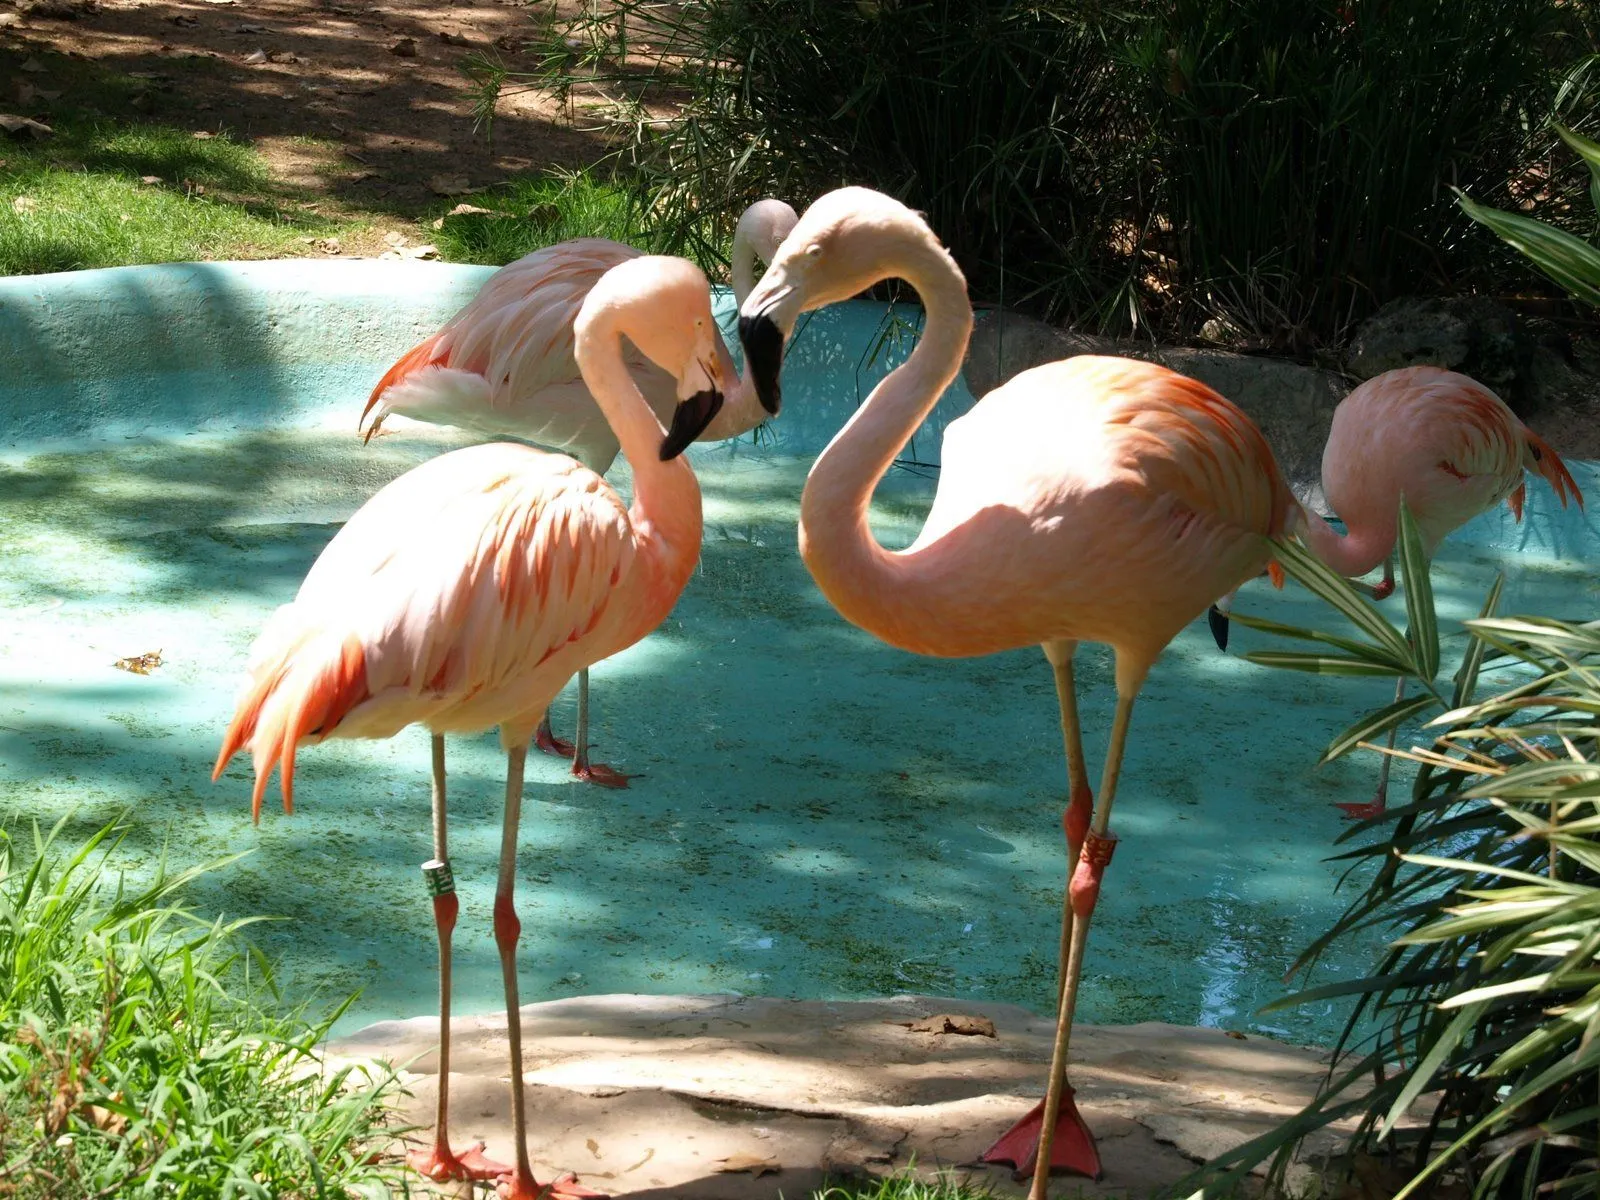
(1218, 620)
(763, 349)
(689, 421)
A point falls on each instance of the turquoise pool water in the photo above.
(819, 815)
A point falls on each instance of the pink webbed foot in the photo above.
(599, 773)
(514, 1187)
(548, 742)
(1375, 807)
(1073, 1149)
(441, 1165)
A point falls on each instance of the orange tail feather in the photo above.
(413, 360)
(288, 700)
(1548, 463)
(1275, 573)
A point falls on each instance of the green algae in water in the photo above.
(819, 815)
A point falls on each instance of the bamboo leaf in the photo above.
(1423, 623)
(1472, 661)
(1331, 587)
(1374, 725)
(1322, 664)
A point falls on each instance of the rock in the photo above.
(712, 1097)
(1292, 404)
(404, 48)
(1470, 334)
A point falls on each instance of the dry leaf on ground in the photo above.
(404, 48)
(756, 1164)
(952, 1023)
(14, 124)
(139, 664)
(451, 185)
(33, 65)
(24, 204)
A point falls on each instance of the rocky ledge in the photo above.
(722, 1096)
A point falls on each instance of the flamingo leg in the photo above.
(519, 1183)
(1380, 801)
(546, 740)
(1071, 1143)
(591, 772)
(1084, 892)
(441, 1163)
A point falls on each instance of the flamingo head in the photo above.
(842, 245)
(663, 306)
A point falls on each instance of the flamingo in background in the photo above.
(466, 593)
(1095, 499)
(504, 366)
(1446, 444)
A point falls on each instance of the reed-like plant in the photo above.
(145, 1052)
(1010, 125)
(1470, 1053)
(1306, 149)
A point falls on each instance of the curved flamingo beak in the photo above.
(762, 340)
(694, 412)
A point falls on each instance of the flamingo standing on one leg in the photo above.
(1445, 444)
(504, 366)
(466, 593)
(1096, 499)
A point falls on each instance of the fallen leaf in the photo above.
(139, 664)
(454, 39)
(405, 252)
(18, 125)
(1236, 1035)
(250, 29)
(255, 58)
(951, 1023)
(202, 135)
(327, 245)
(361, 176)
(27, 93)
(150, 179)
(394, 238)
(404, 48)
(33, 65)
(756, 1164)
(283, 56)
(451, 185)
(465, 210)
(24, 204)
(184, 19)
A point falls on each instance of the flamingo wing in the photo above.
(513, 340)
(440, 602)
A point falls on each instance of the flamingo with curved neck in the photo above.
(1095, 499)
(1446, 445)
(466, 593)
(505, 366)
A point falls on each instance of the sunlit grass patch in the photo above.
(528, 214)
(145, 1052)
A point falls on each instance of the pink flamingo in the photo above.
(1095, 499)
(466, 593)
(504, 366)
(1445, 443)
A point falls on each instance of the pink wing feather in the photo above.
(443, 601)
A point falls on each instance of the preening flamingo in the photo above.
(504, 366)
(1446, 444)
(466, 593)
(1095, 499)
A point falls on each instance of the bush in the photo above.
(140, 1054)
(1285, 166)
(1471, 1049)
(1009, 125)
(1306, 148)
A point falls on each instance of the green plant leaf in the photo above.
(1376, 724)
(1328, 585)
(1423, 624)
(1323, 664)
(1571, 262)
(1466, 679)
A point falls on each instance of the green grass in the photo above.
(145, 1052)
(903, 1185)
(77, 200)
(528, 214)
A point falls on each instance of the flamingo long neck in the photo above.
(1353, 553)
(884, 592)
(742, 265)
(665, 513)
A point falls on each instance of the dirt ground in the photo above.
(363, 104)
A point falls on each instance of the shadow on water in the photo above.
(819, 814)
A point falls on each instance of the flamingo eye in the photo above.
(814, 250)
